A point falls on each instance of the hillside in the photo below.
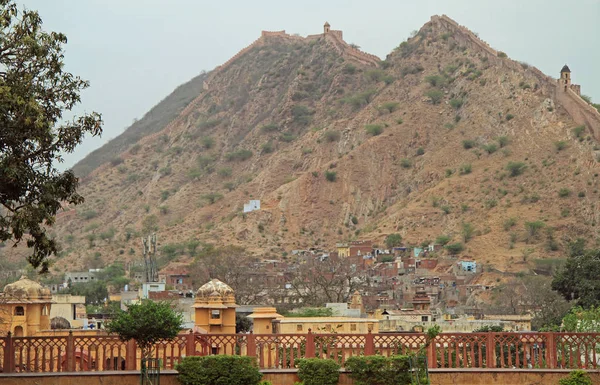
(445, 132)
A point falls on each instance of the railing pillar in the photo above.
(131, 355)
(551, 356)
(70, 353)
(490, 351)
(310, 344)
(190, 344)
(9, 354)
(431, 354)
(251, 345)
(369, 345)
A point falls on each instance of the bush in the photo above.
(435, 95)
(455, 248)
(269, 127)
(331, 176)
(379, 370)
(405, 163)
(267, 148)
(435, 80)
(331, 136)
(516, 168)
(578, 130)
(510, 222)
(287, 137)
(502, 141)
(576, 377)
(490, 148)
(88, 214)
(218, 370)
(564, 192)
(316, 371)
(468, 144)
(301, 114)
(509, 117)
(239, 155)
(560, 145)
(389, 106)
(212, 197)
(207, 142)
(465, 169)
(393, 240)
(443, 240)
(374, 129)
(533, 228)
(359, 100)
(502, 54)
(349, 69)
(116, 161)
(456, 103)
(420, 151)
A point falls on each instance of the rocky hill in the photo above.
(446, 138)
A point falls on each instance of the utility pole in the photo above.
(149, 252)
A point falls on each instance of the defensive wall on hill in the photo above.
(581, 111)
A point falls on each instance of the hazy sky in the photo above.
(135, 52)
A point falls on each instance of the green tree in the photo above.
(95, 292)
(578, 279)
(580, 320)
(393, 240)
(147, 323)
(35, 94)
(467, 231)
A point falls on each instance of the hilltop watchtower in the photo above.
(565, 81)
(326, 27)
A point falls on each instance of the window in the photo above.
(45, 310)
(215, 314)
(298, 328)
(370, 327)
(424, 318)
(19, 310)
(352, 327)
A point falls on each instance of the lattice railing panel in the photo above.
(232, 344)
(99, 353)
(277, 351)
(389, 344)
(339, 347)
(520, 350)
(171, 352)
(466, 350)
(577, 350)
(44, 354)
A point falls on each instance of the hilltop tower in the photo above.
(565, 81)
(326, 27)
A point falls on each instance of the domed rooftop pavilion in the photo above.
(26, 291)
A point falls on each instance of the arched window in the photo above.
(18, 331)
(19, 310)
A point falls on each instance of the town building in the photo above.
(25, 307)
(215, 308)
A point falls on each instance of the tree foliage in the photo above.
(147, 323)
(35, 93)
(393, 240)
(578, 279)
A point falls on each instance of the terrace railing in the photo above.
(532, 351)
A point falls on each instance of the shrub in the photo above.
(509, 117)
(467, 231)
(207, 142)
(331, 136)
(435, 80)
(443, 240)
(576, 377)
(455, 248)
(581, 194)
(287, 137)
(267, 148)
(331, 176)
(374, 129)
(239, 155)
(212, 197)
(270, 127)
(490, 148)
(533, 228)
(578, 130)
(316, 371)
(393, 240)
(116, 161)
(301, 114)
(564, 192)
(225, 172)
(389, 106)
(456, 103)
(502, 141)
(468, 144)
(359, 100)
(435, 95)
(465, 169)
(88, 214)
(516, 168)
(502, 54)
(420, 151)
(560, 145)
(349, 69)
(510, 222)
(376, 370)
(446, 209)
(405, 163)
(218, 370)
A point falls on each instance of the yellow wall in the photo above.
(328, 325)
(224, 325)
(31, 322)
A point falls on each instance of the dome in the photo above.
(59, 323)
(565, 69)
(214, 287)
(27, 289)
